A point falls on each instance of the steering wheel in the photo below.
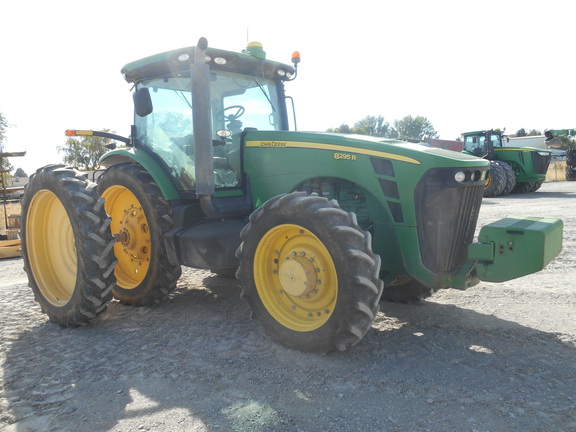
(231, 117)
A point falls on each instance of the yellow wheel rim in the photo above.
(130, 227)
(295, 277)
(50, 248)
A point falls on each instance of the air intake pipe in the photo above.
(202, 126)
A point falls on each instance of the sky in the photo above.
(464, 65)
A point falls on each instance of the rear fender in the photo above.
(511, 248)
(134, 155)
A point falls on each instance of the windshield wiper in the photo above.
(265, 94)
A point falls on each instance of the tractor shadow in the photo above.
(198, 362)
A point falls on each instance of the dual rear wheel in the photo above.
(66, 245)
(83, 243)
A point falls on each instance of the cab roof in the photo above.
(178, 61)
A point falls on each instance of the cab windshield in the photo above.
(238, 102)
(496, 140)
(475, 144)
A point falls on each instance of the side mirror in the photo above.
(142, 102)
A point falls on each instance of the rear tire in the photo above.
(571, 158)
(309, 274)
(510, 177)
(66, 246)
(536, 185)
(523, 187)
(140, 217)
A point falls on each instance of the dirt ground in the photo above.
(497, 357)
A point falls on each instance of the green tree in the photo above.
(84, 151)
(369, 125)
(534, 132)
(20, 173)
(343, 128)
(4, 125)
(415, 128)
(373, 126)
(520, 133)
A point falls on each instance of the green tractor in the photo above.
(512, 169)
(317, 227)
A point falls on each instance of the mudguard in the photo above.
(134, 155)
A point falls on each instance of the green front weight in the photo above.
(511, 248)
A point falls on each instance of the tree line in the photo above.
(408, 127)
(85, 151)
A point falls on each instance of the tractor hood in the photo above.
(393, 149)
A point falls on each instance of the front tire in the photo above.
(406, 290)
(140, 218)
(66, 245)
(309, 274)
(496, 180)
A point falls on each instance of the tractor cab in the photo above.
(194, 130)
(482, 143)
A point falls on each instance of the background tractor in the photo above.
(512, 169)
(317, 227)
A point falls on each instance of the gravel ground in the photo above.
(497, 357)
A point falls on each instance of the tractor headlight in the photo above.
(460, 176)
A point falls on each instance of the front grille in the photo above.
(446, 216)
(540, 162)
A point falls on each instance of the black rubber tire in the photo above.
(87, 260)
(407, 290)
(571, 158)
(536, 185)
(523, 187)
(161, 277)
(357, 290)
(510, 177)
(570, 174)
(496, 180)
